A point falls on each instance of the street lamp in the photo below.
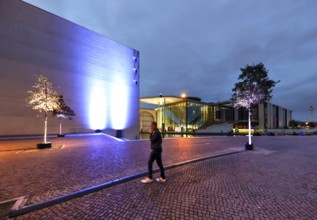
(183, 95)
(162, 103)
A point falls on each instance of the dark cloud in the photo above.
(198, 47)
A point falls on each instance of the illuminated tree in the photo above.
(254, 87)
(43, 98)
(62, 112)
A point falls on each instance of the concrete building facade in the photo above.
(98, 77)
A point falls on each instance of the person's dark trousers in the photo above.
(155, 155)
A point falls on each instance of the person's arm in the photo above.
(155, 136)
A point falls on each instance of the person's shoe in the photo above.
(147, 180)
(160, 180)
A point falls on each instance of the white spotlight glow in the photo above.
(97, 108)
(119, 107)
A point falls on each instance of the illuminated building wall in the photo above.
(98, 77)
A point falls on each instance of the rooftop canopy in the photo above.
(165, 100)
(158, 100)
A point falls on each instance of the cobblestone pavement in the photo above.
(278, 180)
(86, 161)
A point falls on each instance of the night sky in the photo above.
(197, 47)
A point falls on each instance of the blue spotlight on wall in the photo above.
(106, 77)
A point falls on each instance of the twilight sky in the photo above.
(197, 47)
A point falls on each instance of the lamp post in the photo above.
(183, 95)
(162, 103)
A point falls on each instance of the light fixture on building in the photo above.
(136, 66)
(119, 133)
(135, 54)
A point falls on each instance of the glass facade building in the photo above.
(184, 116)
(191, 116)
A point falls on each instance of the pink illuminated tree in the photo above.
(254, 87)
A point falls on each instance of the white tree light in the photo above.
(43, 98)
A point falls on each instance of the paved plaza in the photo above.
(278, 180)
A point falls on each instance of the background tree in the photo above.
(253, 87)
(294, 124)
(311, 124)
(43, 98)
(62, 112)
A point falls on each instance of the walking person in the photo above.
(156, 154)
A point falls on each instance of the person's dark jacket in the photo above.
(156, 140)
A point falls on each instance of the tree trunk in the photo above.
(249, 125)
(60, 126)
(45, 129)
